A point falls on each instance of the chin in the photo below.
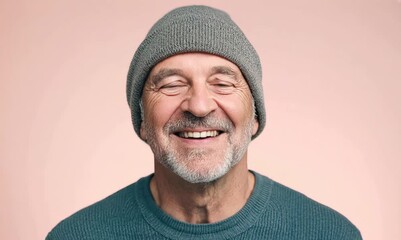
(197, 178)
(203, 173)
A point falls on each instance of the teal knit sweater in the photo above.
(273, 211)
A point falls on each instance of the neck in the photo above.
(205, 202)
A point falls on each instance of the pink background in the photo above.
(332, 78)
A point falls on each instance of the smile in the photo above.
(203, 134)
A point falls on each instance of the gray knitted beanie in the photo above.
(194, 29)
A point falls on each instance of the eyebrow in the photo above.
(167, 72)
(163, 73)
(225, 71)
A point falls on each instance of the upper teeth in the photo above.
(198, 134)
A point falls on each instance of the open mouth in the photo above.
(199, 135)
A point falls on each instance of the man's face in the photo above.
(198, 115)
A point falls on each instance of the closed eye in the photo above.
(174, 88)
(222, 87)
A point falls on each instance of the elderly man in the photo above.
(195, 93)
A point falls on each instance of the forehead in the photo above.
(201, 62)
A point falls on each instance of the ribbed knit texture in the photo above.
(272, 212)
(195, 29)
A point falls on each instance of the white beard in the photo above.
(183, 164)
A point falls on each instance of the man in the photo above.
(195, 93)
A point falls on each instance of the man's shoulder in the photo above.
(301, 214)
(91, 221)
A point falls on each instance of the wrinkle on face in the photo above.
(214, 80)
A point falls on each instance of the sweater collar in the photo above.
(228, 228)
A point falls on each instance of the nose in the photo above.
(199, 101)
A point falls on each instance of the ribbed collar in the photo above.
(229, 228)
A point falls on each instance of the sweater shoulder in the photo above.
(301, 215)
(91, 221)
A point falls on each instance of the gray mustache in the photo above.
(190, 121)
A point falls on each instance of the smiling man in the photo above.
(195, 92)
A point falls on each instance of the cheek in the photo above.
(237, 107)
(158, 110)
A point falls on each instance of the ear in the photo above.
(255, 126)
(143, 132)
